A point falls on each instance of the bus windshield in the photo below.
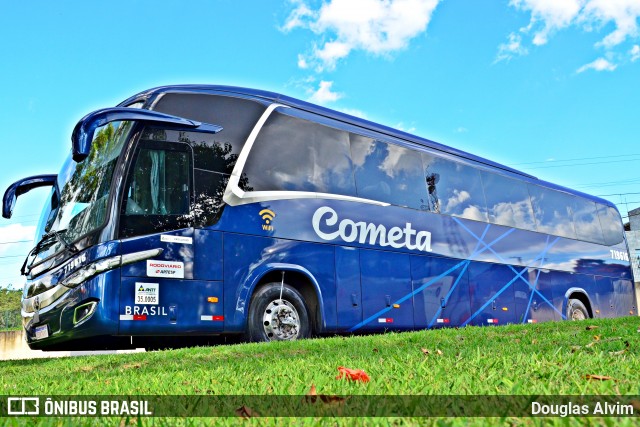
(81, 206)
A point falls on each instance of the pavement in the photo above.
(13, 347)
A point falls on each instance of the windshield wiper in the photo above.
(46, 241)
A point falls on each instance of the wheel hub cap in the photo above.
(281, 320)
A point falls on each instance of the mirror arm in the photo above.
(82, 135)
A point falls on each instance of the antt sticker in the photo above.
(146, 293)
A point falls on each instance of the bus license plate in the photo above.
(41, 332)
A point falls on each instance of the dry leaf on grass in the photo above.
(597, 377)
(427, 352)
(245, 412)
(313, 396)
(132, 366)
(591, 327)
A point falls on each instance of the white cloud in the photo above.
(302, 62)
(297, 16)
(324, 93)
(623, 13)
(472, 212)
(599, 64)
(635, 53)
(330, 53)
(461, 129)
(551, 16)
(457, 198)
(512, 47)
(375, 26)
(398, 160)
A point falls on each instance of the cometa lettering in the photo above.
(328, 226)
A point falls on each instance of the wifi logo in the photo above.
(267, 216)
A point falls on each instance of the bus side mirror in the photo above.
(82, 135)
(22, 186)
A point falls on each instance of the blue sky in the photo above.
(547, 86)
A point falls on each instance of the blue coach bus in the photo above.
(202, 211)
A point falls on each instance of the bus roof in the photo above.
(352, 120)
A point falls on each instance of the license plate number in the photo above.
(41, 332)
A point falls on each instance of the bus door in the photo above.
(529, 304)
(603, 298)
(163, 294)
(492, 294)
(623, 297)
(440, 300)
(546, 303)
(348, 291)
(386, 290)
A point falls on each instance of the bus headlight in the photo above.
(88, 271)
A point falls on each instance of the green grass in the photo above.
(544, 359)
(10, 310)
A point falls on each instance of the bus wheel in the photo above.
(272, 318)
(576, 310)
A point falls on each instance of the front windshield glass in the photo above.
(84, 187)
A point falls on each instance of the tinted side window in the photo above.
(508, 201)
(585, 218)
(237, 116)
(454, 188)
(292, 154)
(552, 210)
(388, 173)
(612, 228)
(214, 155)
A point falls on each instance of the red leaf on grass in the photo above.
(352, 374)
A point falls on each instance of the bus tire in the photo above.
(273, 319)
(576, 310)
